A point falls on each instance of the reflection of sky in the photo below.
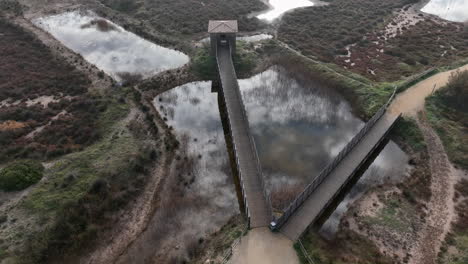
(297, 129)
(193, 111)
(281, 6)
(453, 10)
(113, 51)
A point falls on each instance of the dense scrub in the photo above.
(19, 175)
(325, 32)
(44, 97)
(189, 16)
(448, 114)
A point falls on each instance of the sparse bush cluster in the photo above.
(19, 175)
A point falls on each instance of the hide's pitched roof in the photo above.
(222, 26)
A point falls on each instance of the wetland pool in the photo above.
(110, 47)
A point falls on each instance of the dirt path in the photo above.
(411, 101)
(440, 207)
(261, 246)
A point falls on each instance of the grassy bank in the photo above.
(448, 114)
(82, 191)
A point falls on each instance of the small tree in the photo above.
(19, 175)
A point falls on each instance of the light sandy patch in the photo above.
(411, 101)
(11, 125)
(403, 19)
(370, 206)
(261, 246)
(43, 100)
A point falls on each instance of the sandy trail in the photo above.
(411, 101)
(261, 246)
(440, 207)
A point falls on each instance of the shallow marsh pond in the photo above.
(110, 47)
(298, 129)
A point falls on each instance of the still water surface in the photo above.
(453, 10)
(110, 47)
(298, 128)
(279, 7)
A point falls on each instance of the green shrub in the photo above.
(19, 175)
(407, 130)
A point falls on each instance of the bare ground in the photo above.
(261, 246)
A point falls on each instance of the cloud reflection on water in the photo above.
(113, 51)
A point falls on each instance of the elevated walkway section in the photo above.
(313, 204)
(258, 208)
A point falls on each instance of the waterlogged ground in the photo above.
(453, 10)
(108, 46)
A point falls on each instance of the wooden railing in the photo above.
(309, 189)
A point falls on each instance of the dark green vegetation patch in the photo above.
(448, 114)
(19, 175)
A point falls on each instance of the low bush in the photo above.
(19, 175)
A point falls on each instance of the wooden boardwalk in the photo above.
(258, 207)
(319, 200)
